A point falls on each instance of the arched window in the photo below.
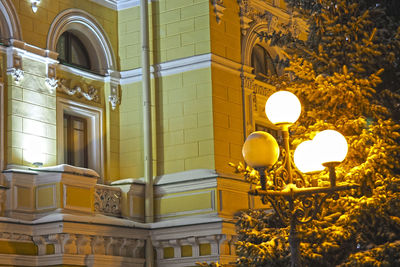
(71, 51)
(86, 36)
(262, 63)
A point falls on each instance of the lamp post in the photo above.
(293, 202)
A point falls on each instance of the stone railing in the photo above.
(107, 200)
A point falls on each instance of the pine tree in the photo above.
(347, 77)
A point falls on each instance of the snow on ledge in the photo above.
(65, 168)
(171, 178)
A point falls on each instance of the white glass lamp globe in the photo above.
(306, 158)
(283, 107)
(260, 150)
(331, 146)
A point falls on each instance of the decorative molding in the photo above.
(90, 94)
(107, 200)
(119, 4)
(16, 71)
(84, 73)
(18, 74)
(115, 96)
(258, 87)
(15, 237)
(218, 9)
(167, 68)
(33, 52)
(51, 81)
(52, 84)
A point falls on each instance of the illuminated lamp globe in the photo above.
(306, 158)
(260, 150)
(331, 145)
(283, 107)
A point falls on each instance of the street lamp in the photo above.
(292, 201)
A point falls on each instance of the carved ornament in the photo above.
(107, 200)
(218, 9)
(51, 81)
(251, 12)
(83, 244)
(90, 93)
(258, 88)
(115, 97)
(16, 70)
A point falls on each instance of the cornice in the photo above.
(167, 68)
(119, 4)
(129, 76)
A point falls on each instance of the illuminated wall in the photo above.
(205, 100)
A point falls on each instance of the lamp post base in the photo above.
(294, 243)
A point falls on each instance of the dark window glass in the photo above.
(71, 51)
(262, 63)
(75, 141)
(275, 133)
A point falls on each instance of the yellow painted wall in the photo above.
(227, 91)
(46, 195)
(183, 124)
(31, 130)
(200, 201)
(178, 29)
(77, 197)
(131, 131)
(21, 248)
(113, 134)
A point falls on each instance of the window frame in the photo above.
(95, 132)
(69, 37)
(266, 56)
(70, 140)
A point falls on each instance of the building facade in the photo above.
(74, 190)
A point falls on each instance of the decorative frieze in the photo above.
(258, 88)
(90, 93)
(15, 237)
(82, 244)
